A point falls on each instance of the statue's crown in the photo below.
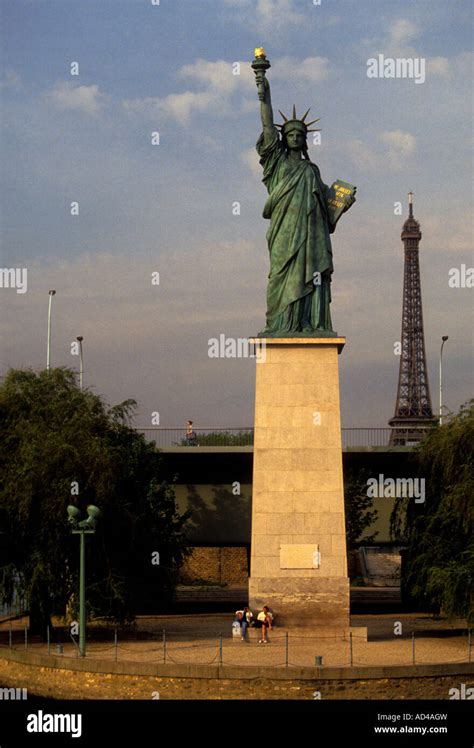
(295, 122)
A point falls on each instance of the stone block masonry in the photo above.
(298, 561)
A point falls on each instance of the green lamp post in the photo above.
(82, 528)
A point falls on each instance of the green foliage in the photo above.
(359, 512)
(53, 435)
(438, 568)
(222, 439)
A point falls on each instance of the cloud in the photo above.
(398, 42)
(210, 143)
(10, 80)
(251, 159)
(401, 32)
(176, 106)
(450, 68)
(218, 75)
(451, 232)
(438, 66)
(87, 99)
(308, 70)
(269, 14)
(361, 155)
(399, 146)
(220, 81)
(395, 41)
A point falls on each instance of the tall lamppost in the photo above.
(83, 528)
(443, 339)
(48, 347)
(81, 368)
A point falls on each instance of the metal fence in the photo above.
(244, 436)
(284, 649)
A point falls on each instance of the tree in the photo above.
(63, 445)
(438, 567)
(360, 514)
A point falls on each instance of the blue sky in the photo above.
(168, 208)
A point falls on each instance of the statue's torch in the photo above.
(260, 64)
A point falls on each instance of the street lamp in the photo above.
(48, 347)
(81, 369)
(443, 339)
(82, 528)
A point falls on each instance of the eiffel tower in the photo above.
(413, 412)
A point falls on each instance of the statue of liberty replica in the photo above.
(303, 212)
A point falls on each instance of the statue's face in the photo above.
(295, 139)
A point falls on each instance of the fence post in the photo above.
(48, 639)
(26, 637)
(164, 646)
(413, 646)
(116, 644)
(220, 648)
(286, 649)
(351, 649)
(469, 644)
(10, 637)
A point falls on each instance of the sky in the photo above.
(181, 68)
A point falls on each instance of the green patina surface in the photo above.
(299, 244)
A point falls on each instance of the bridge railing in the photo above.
(210, 436)
(205, 437)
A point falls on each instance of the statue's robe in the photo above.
(299, 283)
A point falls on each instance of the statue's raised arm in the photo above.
(260, 65)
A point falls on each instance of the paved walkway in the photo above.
(196, 639)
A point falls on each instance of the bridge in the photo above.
(353, 439)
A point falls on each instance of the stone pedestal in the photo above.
(299, 563)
